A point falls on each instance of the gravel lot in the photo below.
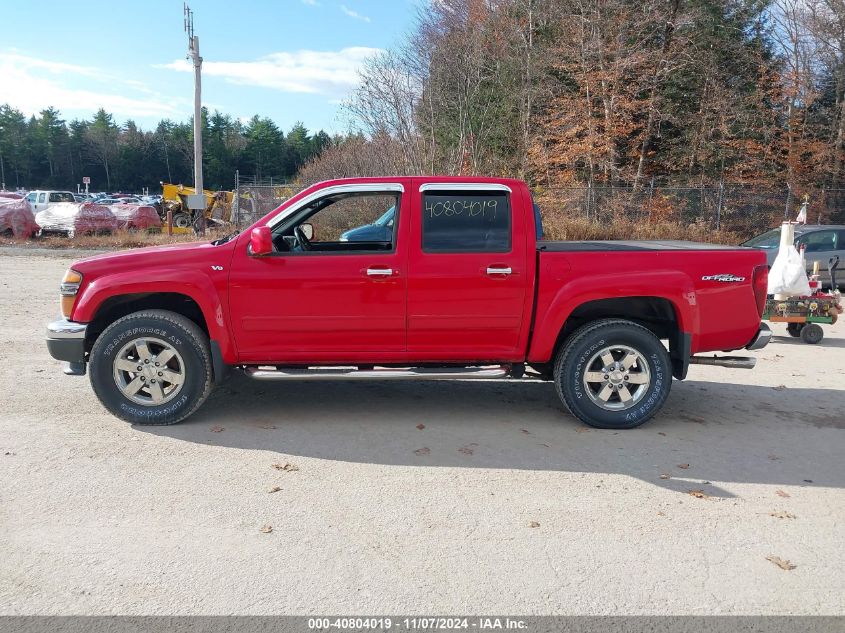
(502, 503)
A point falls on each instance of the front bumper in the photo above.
(761, 339)
(66, 340)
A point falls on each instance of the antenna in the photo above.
(188, 18)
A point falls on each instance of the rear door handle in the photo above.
(380, 272)
(499, 270)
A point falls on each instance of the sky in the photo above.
(290, 60)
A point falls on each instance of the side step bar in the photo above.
(382, 373)
(734, 362)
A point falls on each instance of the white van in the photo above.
(40, 200)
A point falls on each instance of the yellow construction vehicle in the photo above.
(218, 210)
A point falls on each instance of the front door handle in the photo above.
(379, 272)
(499, 270)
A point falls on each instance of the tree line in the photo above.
(608, 93)
(46, 151)
(614, 93)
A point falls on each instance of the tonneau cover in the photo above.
(632, 245)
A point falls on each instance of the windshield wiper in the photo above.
(226, 238)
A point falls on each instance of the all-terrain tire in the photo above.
(181, 334)
(571, 365)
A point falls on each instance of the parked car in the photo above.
(378, 231)
(820, 242)
(460, 289)
(40, 200)
(73, 218)
(110, 201)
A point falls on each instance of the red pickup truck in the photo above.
(452, 282)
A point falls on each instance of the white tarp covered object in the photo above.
(788, 275)
(72, 218)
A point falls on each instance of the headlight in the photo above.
(70, 286)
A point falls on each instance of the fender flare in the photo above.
(673, 286)
(191, 283)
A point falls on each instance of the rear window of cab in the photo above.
(466, 222)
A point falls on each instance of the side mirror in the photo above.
(261, 241)
(307, 230)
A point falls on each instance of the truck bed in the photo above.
(631, 245)
(708, 285)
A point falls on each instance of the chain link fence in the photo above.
(740, 209)
(253, 197)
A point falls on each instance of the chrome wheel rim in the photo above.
(149, 371)
(617, 377)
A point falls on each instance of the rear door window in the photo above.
(466, 222)
(818, 241)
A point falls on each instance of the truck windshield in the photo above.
(771, 239)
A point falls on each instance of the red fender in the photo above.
(191, 283)
(555, 309)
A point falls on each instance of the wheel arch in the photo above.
(186, 292)
(659, 314)
(117, 306)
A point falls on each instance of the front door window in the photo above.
(341, 223)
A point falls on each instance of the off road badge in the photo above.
(725, 277)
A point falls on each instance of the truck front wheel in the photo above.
(151, 367)
(613, 374)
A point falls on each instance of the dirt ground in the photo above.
(403, 498)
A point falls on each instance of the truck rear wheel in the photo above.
(613, 374)
(151, 367)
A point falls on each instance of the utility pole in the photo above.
(194, 55)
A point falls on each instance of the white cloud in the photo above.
(56, 68)
(311, 3)
(331, 73)
(353, 14)
(31, 84)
